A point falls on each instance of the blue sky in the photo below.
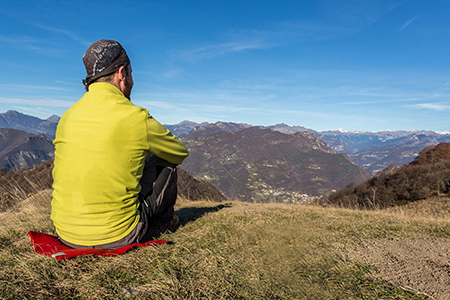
(356, 65)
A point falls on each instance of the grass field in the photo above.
(222, 251)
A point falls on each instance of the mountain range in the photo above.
(16, 120)
(262, 165)
(256, 162)
(372, 151)
(20, 149)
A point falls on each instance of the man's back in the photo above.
(101, 144)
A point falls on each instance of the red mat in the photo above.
(50, 246)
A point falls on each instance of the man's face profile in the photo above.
(128, 86)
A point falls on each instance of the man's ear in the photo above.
(122, 73)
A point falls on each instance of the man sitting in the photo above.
(115, 165)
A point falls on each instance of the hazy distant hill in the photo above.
(16, 120)
(19, 149)
(427, 175)
(374, 151)
(399, 152)
(360, 140)
(263, 165)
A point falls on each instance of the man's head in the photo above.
(107, 60)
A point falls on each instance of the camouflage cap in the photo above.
(102, 58)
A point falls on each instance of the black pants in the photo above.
(158, 194)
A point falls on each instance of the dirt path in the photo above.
(417, 265)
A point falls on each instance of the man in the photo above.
(115, 166)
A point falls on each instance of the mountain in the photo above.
(433, 155)
(426, 176)
(184, 127)
(287, 129)
(338, 144)
(372, 151)
(262, 165)
(16, 120)
(53, 119)
(399, 152)
(19, 149)
(195, 190)
(209, 129)
(360, 140)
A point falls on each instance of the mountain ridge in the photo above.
(16, 120)
(20, 149)
(262, 165)
(372, 151)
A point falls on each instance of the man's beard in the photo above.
(127, 89)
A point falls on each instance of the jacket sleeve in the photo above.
(164, 144)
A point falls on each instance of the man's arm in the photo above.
(164, 144)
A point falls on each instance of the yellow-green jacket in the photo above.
(100, 148)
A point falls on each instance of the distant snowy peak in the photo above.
(349, 131)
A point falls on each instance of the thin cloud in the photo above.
(407, 23)
(431, 106)
(33, 110)
(280, 33)
(212, 51)
(172, 73)
(23, 87)
(366, 102)
(37, 102)
(67, 33)
(341, 21)
(29, 43)
(160, 104)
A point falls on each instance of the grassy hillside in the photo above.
(221, 251)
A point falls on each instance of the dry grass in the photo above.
(437, 207)
(221, 251)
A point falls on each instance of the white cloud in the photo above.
(407, 23)
(431, 106)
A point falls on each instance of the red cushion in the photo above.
(51, 246)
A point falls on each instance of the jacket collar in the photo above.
(105, 87)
